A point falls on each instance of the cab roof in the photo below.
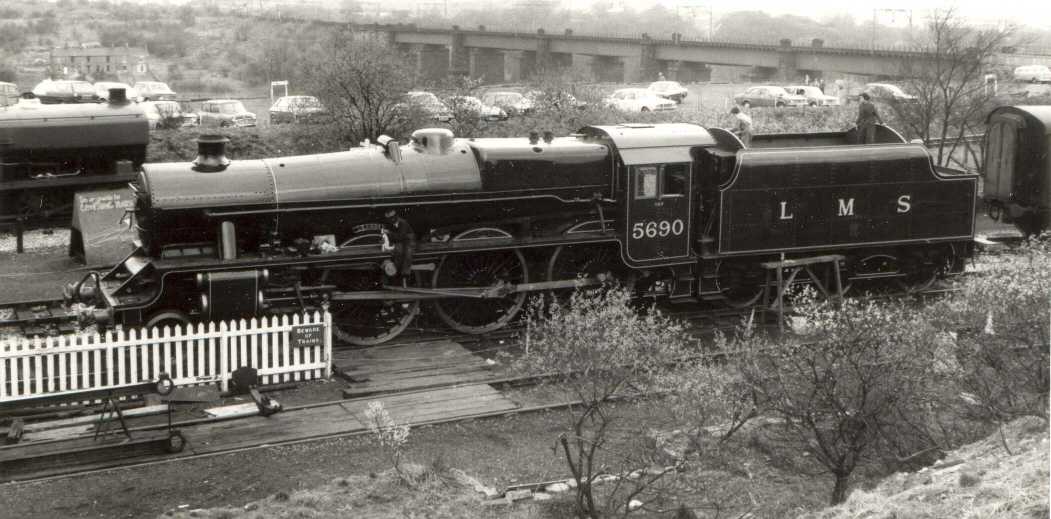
(628, 136)
(1038, 114)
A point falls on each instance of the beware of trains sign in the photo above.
(307, 335)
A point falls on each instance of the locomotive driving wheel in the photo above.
(367, 322)
(486, 269)
(598, 261)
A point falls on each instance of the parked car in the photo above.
(472, 105)
(766, 95)
(669, 90)
(430, 104)
(65, 91)
(814, 96)
(296, 109)
(225, 112)
(102, 90)
(8, 94)
(158, 111)
(888, 92)
(638, 100)
(154, 91)
(1033, 74)
(512, 103)
(554, 100)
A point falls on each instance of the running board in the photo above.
(396, 293)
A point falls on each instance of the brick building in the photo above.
(95, 61)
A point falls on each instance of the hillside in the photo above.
(980, 480)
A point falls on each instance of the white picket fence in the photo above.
(190, 355)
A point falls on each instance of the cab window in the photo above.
(675, 179)
(646, 182)
(663, 180)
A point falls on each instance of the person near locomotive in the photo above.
(402, 241)
(742, 126)
(867, 119)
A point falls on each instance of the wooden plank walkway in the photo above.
(346, 417)
(406, 367)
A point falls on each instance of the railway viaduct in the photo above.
(507, 56)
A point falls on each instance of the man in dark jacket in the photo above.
(867, 119)
(403, 241)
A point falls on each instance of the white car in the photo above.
(511, 102)
(669, 90)
(638, 100)
(154, 91)
(813, 95)
(430, 104)
(462, 104)
(888, 92)
(102, 89)
(1033, 74)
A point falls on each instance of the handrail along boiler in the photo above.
(673, 209)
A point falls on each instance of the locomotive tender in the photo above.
(48, 152)
(676, 209)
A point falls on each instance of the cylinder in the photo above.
(228, 241)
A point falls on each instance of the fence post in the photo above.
(327, 354)
(224, 357)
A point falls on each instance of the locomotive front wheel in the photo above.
(367, 323)
(480, 270)
(740, 283)
(598, 261)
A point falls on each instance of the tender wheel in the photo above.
(740, 283)
(924, 270)
(480, 270)
(871, 272)
(598, 261)
(370, 322)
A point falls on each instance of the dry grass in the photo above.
(987, 482)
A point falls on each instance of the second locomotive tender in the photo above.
(678, 209)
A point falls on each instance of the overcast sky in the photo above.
(1034, 13)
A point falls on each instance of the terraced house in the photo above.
(96, 60)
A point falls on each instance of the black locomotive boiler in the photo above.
(678, 209)
(49, 152)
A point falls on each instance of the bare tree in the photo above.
(362, 82)
(947, 74)
(598, 349)
(842, 389)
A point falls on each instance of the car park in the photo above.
(224, 113)
(889, 93)
(554, 100)
(463, 105)
(154, 91)
(166, 115)
(102, 89)
(638, 100)
(429, 104)
(8, 94)
(766, 95)
(296, 109)
(814, 96)
(1033, 74)
(513, 103)
(65, 91)
(669, 90)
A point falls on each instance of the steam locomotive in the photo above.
(676, 210)
(48, 152)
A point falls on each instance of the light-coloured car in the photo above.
(814, 96)
(102, 89)
(511, 102)
(222, 113)
(154, 91)
(888, 92)
(1033, 73)
(461, 106)
(65, 91)
(158, 111)
(669, 90)
(296, 109)
(554, 100)
(767, 95)
(638, 100)
(430, 104)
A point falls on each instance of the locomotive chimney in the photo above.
(117, 96)
(211, 154)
